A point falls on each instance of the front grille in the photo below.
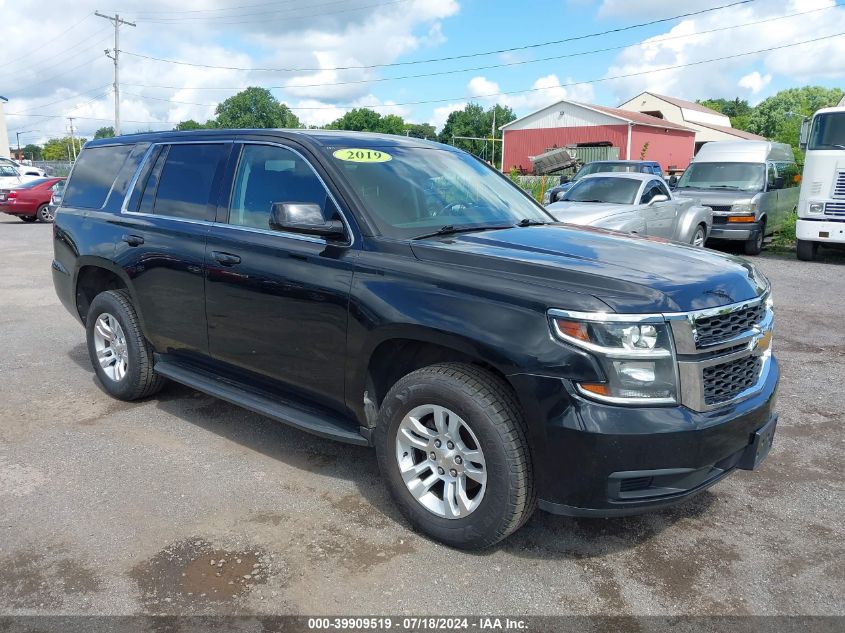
(839, 185)
(720, 207)
(721, 327)
(725, 382)
(834, 208)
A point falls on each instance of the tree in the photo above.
(190, 124)
(737, 109)
(421, 130)
(779, 117)
(254, 108)
(358, 120)
(60, 148)
(477, 122)
(104, 132)
(32, 152)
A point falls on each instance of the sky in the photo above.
(322, 57)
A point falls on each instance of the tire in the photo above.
(807, 251)
(754, 246)
(133, 378)
(492, 420)
(27, 218)
(44, 214)
(699, 237)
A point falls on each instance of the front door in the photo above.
(659, 216)
(277, 302)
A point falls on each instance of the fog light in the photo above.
(635, 371)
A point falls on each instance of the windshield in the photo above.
(734, 176)
(416, 191)
(8, 170)
(597, 168)
(608, 190)
(828, 131)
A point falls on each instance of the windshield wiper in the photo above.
(732, 188)
(451, 229)
(527, 222)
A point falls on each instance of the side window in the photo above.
(93, 175)
(142, 181)
(662, 189)
(649, 192)
(790, 173)
(268, 174)
(187, 180)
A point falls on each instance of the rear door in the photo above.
(164, 224)
(276, 301)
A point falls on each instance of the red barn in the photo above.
(568, 123)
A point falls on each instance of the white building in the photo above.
(708, 124)
(4, 133)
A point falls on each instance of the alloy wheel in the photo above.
(111, 348)
(440, 461)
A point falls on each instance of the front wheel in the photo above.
(754, 246)
(121, 356)
(44, 214)
(699, 237)
(807, 251)
(452, 447)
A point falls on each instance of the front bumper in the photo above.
(602, 460)
(820, 230)
(741, 232)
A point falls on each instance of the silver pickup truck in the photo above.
(634, 203)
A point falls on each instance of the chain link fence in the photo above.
(54, 167)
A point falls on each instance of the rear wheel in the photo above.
(755, 245)
(452, 448)
(27, 218)
(807, 251)
(121, 356)
(44, 213)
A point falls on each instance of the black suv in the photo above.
(386, 291)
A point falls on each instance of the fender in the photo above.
(691, 217)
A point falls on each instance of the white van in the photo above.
(750, 185)
(821, 208)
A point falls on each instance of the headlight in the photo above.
(816, 207)
(744, 207)
(637, 356)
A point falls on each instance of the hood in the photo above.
(628, 273)
(585, 212)
(718, 197)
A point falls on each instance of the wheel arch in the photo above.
(95, 275)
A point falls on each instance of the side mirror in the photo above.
(298, 217)
(778, 183)
(804, 136)
(559, 196)
(658, 198)
(673, 180)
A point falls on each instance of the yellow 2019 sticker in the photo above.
(356, 155)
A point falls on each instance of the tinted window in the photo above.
(828, 131)
(652, 189)
(600, 189)
(186, 180)
(268, 174)
(93, 175)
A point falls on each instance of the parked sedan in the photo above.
(555, 194)
(23, 168)
(634, 203)
(30, 201)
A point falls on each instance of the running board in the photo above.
(325, 424)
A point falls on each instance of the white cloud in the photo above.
(70, 67)
(544, 91)
(755, 82)
(690, 43)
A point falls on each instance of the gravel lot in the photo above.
(115, 508)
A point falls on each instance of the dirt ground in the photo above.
(186, 504)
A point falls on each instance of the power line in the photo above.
(536, 89)
(288, 14)
(453, 57)
(118, 22)
(71, 27)
(509, 64)
(63, 54)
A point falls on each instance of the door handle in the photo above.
(226, 259)
(133, 240)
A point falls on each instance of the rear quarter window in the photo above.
(93, 175)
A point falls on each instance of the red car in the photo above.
(30, 201)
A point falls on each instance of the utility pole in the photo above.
(117, 21)
(493, 159)
(72, 138)
(18, 134)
